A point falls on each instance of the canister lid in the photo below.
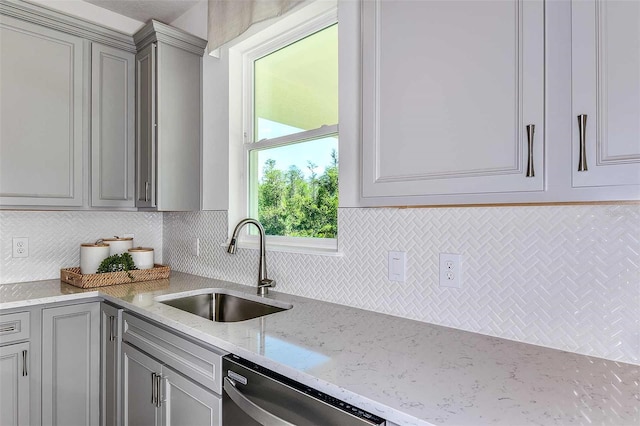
(139, 249)
(116, 238)
(94, 245)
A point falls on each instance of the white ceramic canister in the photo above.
(142, 257)
(91, 255)
(118, 245)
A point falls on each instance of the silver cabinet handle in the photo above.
(253, 410)
(7, 328)
(582, 130)
(115, 328)
(531, 129)
(154, 395)
(24, 364)
(146, 191)
(111, 321)
(158, 390)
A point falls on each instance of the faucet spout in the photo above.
(263, 282)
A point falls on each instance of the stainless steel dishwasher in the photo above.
(254, 395)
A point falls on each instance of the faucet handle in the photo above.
(266, 282)
(263, 286)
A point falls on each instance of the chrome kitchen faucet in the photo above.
(263, 282)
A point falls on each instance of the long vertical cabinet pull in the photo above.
(111, 322)
(158, 390)
(25, 372)
(582, 130)
(154, 396)
(531, 128)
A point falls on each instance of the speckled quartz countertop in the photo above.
(406, 371)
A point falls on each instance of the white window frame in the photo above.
(311, 19)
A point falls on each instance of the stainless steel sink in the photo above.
(223, 307)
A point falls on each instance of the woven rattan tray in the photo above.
(74, 277)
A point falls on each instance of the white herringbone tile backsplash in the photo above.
(566, 277)
(55, 238)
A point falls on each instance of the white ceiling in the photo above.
(143, 10)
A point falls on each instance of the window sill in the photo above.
(289, 247)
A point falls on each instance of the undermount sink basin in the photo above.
(223, 307)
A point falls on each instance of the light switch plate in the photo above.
(196, 247)
(397, 266)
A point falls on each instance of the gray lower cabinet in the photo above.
(111, 320)
(112, 127)
(154, 394)
(71, 365)
(139, 388)
(14, 376)
(41, 136)
(183, 399)
(168, 118)
(16, 369)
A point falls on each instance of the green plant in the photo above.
(117, 262)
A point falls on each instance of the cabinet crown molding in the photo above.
(155, 31)
(69, 24)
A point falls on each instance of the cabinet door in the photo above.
(41, 95)
(71, 365)
(14, 376)
(179, 128)
(606, 88)
(138, 380)
(183, 399)
(111, 320)
(146, 127)
(112, 127)
(449, 88)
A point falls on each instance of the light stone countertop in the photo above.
(406, 371)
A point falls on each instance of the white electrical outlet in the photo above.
(397, 264)
(20, 247)
(450, 272)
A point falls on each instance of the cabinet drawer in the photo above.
(204, 365)
(14, 327)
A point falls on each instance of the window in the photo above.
(291, 134)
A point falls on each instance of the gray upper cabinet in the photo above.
(41, 108)
(146, 127)
(605, 54)
(451, 92)
(169, 118)
(112, 127)
(67, 111)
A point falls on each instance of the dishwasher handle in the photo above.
(253, 410)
